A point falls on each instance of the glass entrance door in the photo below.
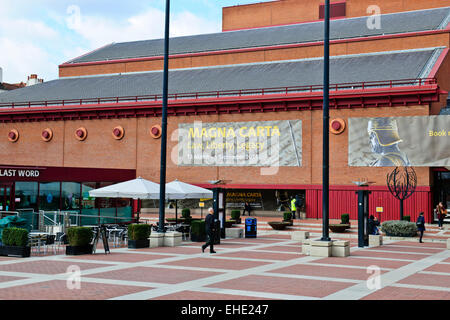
(6, 197)
(442, 191)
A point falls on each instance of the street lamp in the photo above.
(326, 123)
(162, 182)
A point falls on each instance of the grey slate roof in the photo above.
(343, 69)
(423, 20)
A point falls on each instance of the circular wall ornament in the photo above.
(13, 135)
(81, 134)
(156, 131)
(47, 135)
(337, 126)
(118, 132)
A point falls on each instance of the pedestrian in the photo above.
(247, 208)
(373, 224)
(421, 225)
(441, 212)
(298, 204)
(293, 207)
(210, 228)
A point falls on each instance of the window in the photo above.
(337, 9)
(49, 196)
(26, 195)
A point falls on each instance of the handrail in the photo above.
(226, 93)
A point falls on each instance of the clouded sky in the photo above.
(38, 35)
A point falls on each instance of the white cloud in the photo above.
(100, 31)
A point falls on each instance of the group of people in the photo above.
(296, 203)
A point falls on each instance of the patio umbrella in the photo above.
(136, 189)
(182, 190)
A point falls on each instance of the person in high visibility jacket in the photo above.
(293, 207)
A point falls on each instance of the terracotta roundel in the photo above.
(156, 132)
(47, 135)
(337, 126)
(118, 132)
(81, 134)
(13, 135)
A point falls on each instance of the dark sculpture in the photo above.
(402, 183)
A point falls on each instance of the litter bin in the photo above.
(250, 228)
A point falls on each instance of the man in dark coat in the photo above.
(210, 228)
(421, 225)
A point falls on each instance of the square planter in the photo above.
(78, 250)
(138, 244)
(198, 237)
(23, 252)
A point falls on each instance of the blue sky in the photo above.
(38, 35)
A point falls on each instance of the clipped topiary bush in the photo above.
(345, 218)
(399, 228)
(287, 216)
(15, 237)
(407, 218)
(79, 236)
(139, 231)
(186, 213)
(198, 233)
(235, 214)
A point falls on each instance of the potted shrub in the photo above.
(407, 218)
(278, 225)
(15, 242)
(138, 236)
(198, 233)
(338, 228)
(186, 215)
(345, 219)
(236, 216)
(79, 241)
(287, 217)
(399, 228)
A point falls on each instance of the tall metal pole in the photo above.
(162, 182)
(326, 123)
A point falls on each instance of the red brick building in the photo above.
(101, 117)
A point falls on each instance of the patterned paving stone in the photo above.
(196, 295)
(396, 293)
(150, 274)
(8, 278)
(411, 249)
(389, 255)
(283, 249)
(349, 261)
(428, 280)
(171, 250)
(119, 257)
(47, 266)
(217, 263)
(261, 255)
(439, 267)
(57, 290)
(281, 285)
(322, 271)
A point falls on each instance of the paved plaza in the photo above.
(268, 267)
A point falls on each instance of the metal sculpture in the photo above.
(402, 183)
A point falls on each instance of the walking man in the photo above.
(210, 228)
(421, 225)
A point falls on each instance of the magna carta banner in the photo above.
(258, 144)
(401, 141)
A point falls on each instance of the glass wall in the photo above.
(49, 196)
(88, 207)
(26, 195)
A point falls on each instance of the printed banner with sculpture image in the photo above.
(421, 141)
(256, 143)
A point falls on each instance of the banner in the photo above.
(422, 141)
(258, 144)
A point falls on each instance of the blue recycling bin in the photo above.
(250, 227)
